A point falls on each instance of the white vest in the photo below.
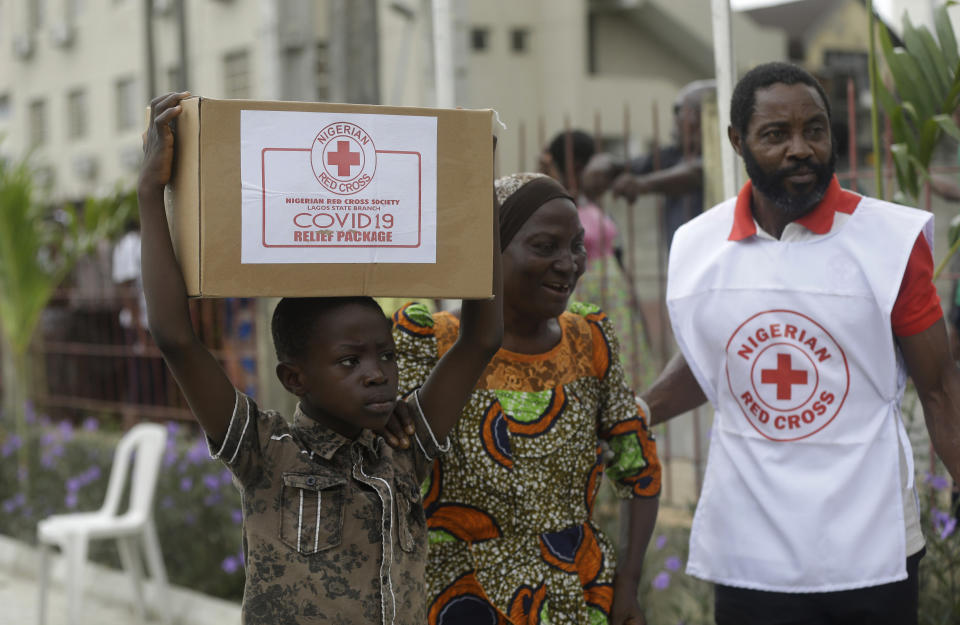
(792, 344)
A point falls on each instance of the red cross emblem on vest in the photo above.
(783, 376)
(787, 374)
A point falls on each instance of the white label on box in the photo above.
(338, 188)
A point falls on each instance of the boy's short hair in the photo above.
(761, 77)
(294, 319)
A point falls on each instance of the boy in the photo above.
(333, 528)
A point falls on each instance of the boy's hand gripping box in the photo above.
(310, 199)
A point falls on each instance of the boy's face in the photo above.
(348, 378)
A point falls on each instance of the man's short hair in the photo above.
(583, 149)
(693, 93)
(760, 77)
(294, 319)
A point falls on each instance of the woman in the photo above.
(509, 507)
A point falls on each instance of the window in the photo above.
(37, 12)
(38, 123)
(77, 114)
(519, 39)
(321, 73)
(126, 104)
(294, 75)
(174, 82)
(479, 38)
(4, 107)
(236, 75)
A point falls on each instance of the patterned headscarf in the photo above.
(520, 195)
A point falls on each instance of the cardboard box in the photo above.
(315, 199)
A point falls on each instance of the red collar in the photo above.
(818, 221)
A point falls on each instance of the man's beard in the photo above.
(793, 205)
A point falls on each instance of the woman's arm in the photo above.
(639, 516)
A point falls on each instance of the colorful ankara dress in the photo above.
(509, 507)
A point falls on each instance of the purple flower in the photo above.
(672, 563)
(92, 474)
(211, 481)
(56, 451)
(14, 502)
(70, 500)
(944, 523)
(172, 429)
(186, 484)
(937, 482)
(230, 564)
(948, 528)
(46, 461)
(90, 424)
(212, 499)
(11, 445)
(47, 439)
(169, 456)
(237, 516)
(198, 452)
(661, 581)
(66, 430)
(226, 477)
(660, 542)
(73, 484)
(29, 414)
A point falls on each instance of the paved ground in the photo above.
(18, 596)
(107, 600)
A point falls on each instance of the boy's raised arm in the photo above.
(448, 387)
(207, 389)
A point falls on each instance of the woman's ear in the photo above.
(290, 376)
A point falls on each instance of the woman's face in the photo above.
(543, 262)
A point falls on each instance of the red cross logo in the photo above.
(343, 158)
(783, 376)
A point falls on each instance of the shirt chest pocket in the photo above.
(411, 520)
(311, 511)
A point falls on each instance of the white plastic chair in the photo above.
(134, 529)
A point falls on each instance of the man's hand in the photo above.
(400, 427)
(630, 187)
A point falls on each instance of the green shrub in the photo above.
(197, 508)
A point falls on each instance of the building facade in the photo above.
(76, 75)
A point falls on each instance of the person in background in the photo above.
(679, 173)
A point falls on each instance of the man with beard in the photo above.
(799, 309)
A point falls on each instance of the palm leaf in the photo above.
(948, 42)
(922, 47)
